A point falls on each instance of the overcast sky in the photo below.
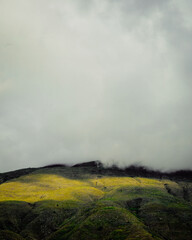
(83, 80)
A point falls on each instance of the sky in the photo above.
(84, 80)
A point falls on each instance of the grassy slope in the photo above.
(73, 204)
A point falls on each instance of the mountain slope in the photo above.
(90, 202)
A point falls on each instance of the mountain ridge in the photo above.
(98, 167)
(89, 201)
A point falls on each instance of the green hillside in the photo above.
(85, 203)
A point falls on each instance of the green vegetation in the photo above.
(66, 203)
(8, 235)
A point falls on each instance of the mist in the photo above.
(85, 80)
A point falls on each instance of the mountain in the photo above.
(91, 202)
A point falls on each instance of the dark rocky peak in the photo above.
(55, 165)
(93, 164)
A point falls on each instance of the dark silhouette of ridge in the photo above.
(55, 165)
(134, 171)
(96, 167)
(142, 171)
(94, 164)
(15, 174)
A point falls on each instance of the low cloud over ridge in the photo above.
(85, 80)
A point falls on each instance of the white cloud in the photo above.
(95, 80)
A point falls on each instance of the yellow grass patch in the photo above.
(112, 182)
(149, 182)
(37, 187)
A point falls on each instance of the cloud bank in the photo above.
(83, 80)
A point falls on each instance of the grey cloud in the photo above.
(87, 80)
